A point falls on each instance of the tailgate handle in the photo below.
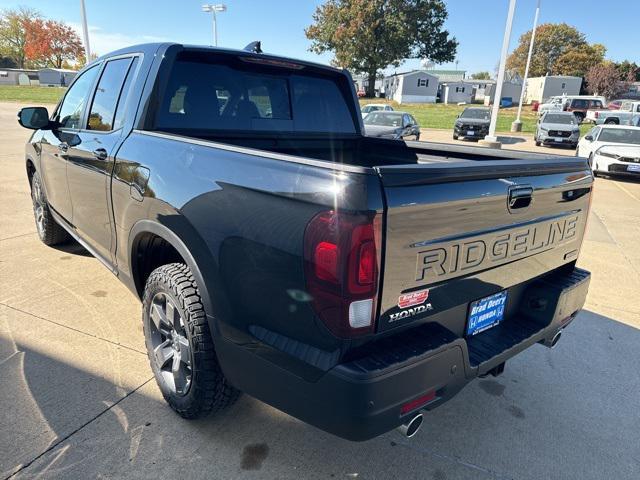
(520, 197)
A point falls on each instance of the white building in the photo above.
(510, 89)
(540, 89)
(456, 92)
(418, 86)
(56, 77)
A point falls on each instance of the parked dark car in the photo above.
(394, 125)
(472, 123)
(352, 282)
(580, 106)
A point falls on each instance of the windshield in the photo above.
(386, 119)
(371, 108)
(480, 113)
(620, 135)
(563, 119)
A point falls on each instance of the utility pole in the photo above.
(516, 126)
(491, 140)
(85, 31)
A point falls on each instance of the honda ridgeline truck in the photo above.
(351, 282)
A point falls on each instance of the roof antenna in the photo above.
(253, 47)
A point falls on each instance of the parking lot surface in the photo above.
(78, 399)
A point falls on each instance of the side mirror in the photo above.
(34, 118)
(588, 138)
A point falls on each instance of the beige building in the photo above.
(540, 89)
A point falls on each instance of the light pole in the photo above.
(516, 126)
(214, 8)
(491, 140)
(85, 31)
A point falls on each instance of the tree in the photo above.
(553, 41)
(13, 28)
(628, 70)
(481, 76)
(366, 36)
(604, 79)
(51, 43)
(579, 60)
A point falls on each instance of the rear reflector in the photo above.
(360, 313)
(417, 403)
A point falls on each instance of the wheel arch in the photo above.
(188, 246)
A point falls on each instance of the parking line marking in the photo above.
(624, 189)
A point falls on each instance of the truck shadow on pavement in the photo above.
(553, 414)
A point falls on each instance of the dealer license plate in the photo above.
(470, 133)
(486, 313)
(633, 168)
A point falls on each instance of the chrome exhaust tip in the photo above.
(410, 428)
(553, 341)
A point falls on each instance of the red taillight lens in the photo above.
(367, 264)
(342, 257)
(326, 261)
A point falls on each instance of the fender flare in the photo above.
(171, 237)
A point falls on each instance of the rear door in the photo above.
(91, 159)
(460, 231)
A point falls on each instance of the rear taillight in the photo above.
(597, 115)
(342, 265)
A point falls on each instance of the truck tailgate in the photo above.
(458, 231)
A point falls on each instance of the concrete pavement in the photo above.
(78, 398)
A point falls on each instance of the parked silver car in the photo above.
(558, 128)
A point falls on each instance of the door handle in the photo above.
(63, 146)
(100, 154)
(520, 197)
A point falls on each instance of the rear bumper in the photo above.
(362, 398)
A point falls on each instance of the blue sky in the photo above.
(280, 24)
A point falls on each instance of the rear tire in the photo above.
(611, 121)
(180, 346)
(538, 143)
(579, 117)
(49, 231)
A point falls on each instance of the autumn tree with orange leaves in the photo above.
(51, 43)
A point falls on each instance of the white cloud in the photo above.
(102, 42)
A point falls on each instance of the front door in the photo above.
(56, 143)
(91, 159)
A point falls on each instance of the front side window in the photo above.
(103, 108)
(70, 111)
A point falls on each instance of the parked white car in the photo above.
(612, 149)
(375, 107)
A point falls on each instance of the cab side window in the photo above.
(70, 111)
(105, 100)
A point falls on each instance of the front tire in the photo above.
(49, 231)
(180, 346)
(455, 137)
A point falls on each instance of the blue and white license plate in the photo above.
(633, 168)
(486, 313)
(471, 133)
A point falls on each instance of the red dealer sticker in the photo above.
(413, 298)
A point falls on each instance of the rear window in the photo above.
(233, 95)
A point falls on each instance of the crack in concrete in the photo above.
(74, 329)
(69, 435)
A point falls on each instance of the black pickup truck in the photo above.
(351, 282)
